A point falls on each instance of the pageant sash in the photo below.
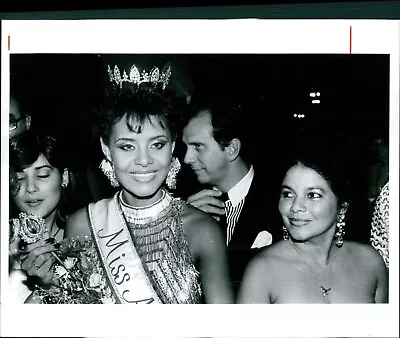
(125, 272)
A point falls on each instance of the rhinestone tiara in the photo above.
(136, 78)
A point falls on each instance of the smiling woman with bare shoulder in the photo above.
(314, 264)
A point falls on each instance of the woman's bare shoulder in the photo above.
(364, 254)
(77, 224)
(196, 220)
(270, 258)
(201, 230)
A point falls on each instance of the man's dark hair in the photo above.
(228, 118)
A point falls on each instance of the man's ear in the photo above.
(233, 149)
(28, 122)
(65, 178)
(106, 149)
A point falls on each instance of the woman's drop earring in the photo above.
(108, 170)
(340, 225)
(172, 173)
(285, 233)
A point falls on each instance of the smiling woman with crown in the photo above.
(153, 248)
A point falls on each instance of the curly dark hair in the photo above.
(25, 150)
(139, 103)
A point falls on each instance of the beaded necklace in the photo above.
(148, 214)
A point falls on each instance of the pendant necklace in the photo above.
(325, 290)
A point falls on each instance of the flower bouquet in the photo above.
(78, 276)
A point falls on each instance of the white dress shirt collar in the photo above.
(240, 190)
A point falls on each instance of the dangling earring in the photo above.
(340, 224)
(108, 170)
(285, 233)
(172, 173)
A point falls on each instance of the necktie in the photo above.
(224, 197)
(222, 218)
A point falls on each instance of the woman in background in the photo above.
(314, 264)
(39, 177)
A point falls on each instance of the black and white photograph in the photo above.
(199, 178)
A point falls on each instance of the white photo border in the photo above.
(203, 36)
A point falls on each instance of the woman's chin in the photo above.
(144, 193)
(298, 237)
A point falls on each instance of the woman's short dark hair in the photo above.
(328, 158)
(140, 103)
(25, 150)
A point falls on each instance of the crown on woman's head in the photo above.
(136, 78)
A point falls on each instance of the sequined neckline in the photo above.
(147, 214)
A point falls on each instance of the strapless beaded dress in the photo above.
(159, 239)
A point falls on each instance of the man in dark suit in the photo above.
(214, 134)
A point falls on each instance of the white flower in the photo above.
(94, 280)
(107, 292)
(70, 262)
(107, 300)
(60, 271)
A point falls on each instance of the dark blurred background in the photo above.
(61, 90)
